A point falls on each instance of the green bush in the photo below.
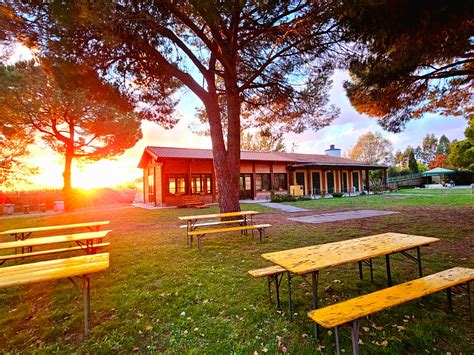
(283, 198)
(337, 194)
(362, 193)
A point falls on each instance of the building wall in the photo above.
(161, 169)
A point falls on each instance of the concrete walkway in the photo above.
(281, 207)
(340, 216)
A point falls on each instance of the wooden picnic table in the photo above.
(80, 266)
(312, 259)
(191, 221)
(24, 233)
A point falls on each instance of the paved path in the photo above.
(282, 207)
(340, 216)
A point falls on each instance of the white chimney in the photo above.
(333, 151)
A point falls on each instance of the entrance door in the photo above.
(344, 182)
(316, 177)
(245, 187)
(300, 181)
(355, 181)
(330, 179)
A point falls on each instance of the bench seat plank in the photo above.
(216, 223)
(267, 271)
(49, 252)
(229, 229)
(57, 227)
(54, 240)
(359, 307)
(53, 269)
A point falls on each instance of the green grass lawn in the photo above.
(160, 296)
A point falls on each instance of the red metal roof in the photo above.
(295, 158)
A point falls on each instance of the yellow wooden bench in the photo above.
(354, 309)
(88, 242)
(201, 233)
(79, 266)
(274, 274)
(24, 233)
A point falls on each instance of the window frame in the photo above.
(203, 178)
(265, 184)
(176, 177)
(277, 180)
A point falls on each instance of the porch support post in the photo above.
(254, 182)
(272, 177)
(367, 184)
(324, 186)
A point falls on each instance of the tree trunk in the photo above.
(226, 161)
(67, 188)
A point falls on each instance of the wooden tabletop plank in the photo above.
(229, 229)
(57, 227)
(54, 240)
(359, 307)
(309, 259)
(53, 269)
(218, 215)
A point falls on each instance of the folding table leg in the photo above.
(450, 299)
(87, 302)
(389, 274)
(277, 284)
(418, 256)
(269, 278)
(469, 303)
(314, 280)
(371, 271)
(290, 306)
(355, 337)
(336, 334)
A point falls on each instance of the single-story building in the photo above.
(171, 173)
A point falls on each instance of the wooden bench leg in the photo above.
(355, 337)
(87, 303)
(361, 275)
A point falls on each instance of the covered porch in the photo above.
(321, 180)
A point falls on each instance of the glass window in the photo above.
(176, 184)
(201, 183)
(262, 182)
(279, 181)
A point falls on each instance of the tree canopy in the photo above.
(372, 148)
(72, 110)
(272, 58)
(410, 57)
(462, 152)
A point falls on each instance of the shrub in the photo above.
(337, 194)
(283, 198)
(362, 193)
